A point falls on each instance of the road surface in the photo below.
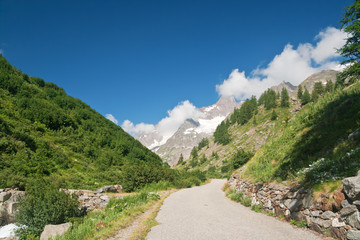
(205, 213)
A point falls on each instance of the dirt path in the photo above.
(205, 213)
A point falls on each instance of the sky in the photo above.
(146, 63)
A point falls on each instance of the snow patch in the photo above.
(188, 131)
(209, 125)
(8, 230)
(208, 109)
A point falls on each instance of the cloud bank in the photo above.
(111, 118)
(292, 65)
(168, 125)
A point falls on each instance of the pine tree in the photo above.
(329, 86)
(305, 98)
(274, 115)
(284, 98)
(181, 159)
(319, 88)
(299, 92)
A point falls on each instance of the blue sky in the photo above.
(138, 59)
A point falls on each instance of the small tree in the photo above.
(305, 98)
(329, 86)
(194, 152)
(181, 159)
(274, 115)
(314, 95)
(299, 92)
(319, 88)
(284, 98)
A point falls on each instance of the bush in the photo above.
(45, 204)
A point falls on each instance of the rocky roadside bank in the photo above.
(337, 215)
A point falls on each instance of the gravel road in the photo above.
(205, 213)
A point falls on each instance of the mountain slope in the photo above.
(192, 131)
(283, 148)
(46, 133)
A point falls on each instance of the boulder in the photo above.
(4, 196)
(352, 187)
(110, 188)
(338, 233)
(336, 223)
(353, 220)
(328, 215)
(293, 204)
(53, 230)
(354, 135)
(353, 235)
(348, 210)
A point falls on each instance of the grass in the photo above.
(301, 224)
(239, 197)
(257, 208)
(118, 214)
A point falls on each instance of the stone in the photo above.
(315, 213)
(338, 198)
(4, 196)
(307, 201)
(328, 215)
(338, 233)
(321, 222)
(282, 205)
(336, 223)
(268, 204)
(345, 203)
(354, 135)
(353, 235)
(348, 210)
(351, 187)
(353, 220)
(306, 212)
(297, 216)
(12, 207)
(316, 228)
(357, 204)
(293, 204)
(110, 188)
(53, 230)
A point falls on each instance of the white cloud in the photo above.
(166, 126)
(292, 65)
(111, 118)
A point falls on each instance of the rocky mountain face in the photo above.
(323, 77)
(289, 87)
(191, 132)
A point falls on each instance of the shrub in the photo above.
(45, 204)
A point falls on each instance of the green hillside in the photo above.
(44, 132)
(306, 143)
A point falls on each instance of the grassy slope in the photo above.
(308, 145)
(44, 132)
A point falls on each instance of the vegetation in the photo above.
(285, 98)
(45, 204)
(268, 98)
(203, 143)
(305, 97)
(239, 197)
(221, 133)
(351, 50)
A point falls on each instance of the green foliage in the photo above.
(221, 133)
(319, 88)
(301, 224)
(203, 143)
(246, 111)
(299, 92)
(285, 98)
(329, 86)
(257, 208)
(239, 197)
(305, 98)
(45, 204)
(194, 152)
(46, 133)
(240, 158)
(351, 49)
(273, 115)
(181, 159)
(268, 98)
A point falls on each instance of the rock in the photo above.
(316, 228)
(110, 188)
(336, 223)
(12, 207)
(315, 213)
(354, 135)
(352, 187)
(307, 201)
(53, 230)
(338, 198)
(357, 204)
(338, 233)
(306, 212)
(328, 215)
(4, 196)
(297, 216)
(345, 203)
(268, 204)
(348, 210)
(293, 204)
(321, 222)
(353, 220)
(8, 231)
(353, 235)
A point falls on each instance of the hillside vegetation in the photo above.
(304, 139)
(46, 133)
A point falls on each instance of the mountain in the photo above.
(314, 143)
(191, 132)
(323, 77)
(46, 133)
(289, 87)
